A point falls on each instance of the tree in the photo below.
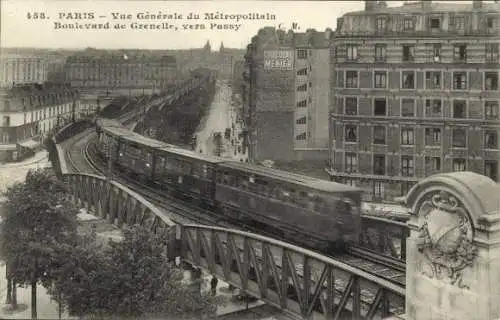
(39, 219)
(127, 279)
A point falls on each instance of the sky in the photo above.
(22, 24)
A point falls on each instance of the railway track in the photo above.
(76, 153)
(184, 212)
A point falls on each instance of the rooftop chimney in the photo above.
(370, 5)
(477, 4)
(426, 5)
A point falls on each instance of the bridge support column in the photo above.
(453, 258)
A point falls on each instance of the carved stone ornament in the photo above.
(446, 238)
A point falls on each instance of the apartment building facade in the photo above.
(21, 69)
(111, 71)
(415, 92)
(288, 95)
(29, 112)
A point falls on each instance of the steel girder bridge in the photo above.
(300, 282)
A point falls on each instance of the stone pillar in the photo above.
(453, 259)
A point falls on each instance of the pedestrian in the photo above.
(213, 285)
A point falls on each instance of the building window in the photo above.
(432, 136)
(435, 53)
(378, 189)
(301, 54)
(459, 138)
(302, 88)
(407, 136)
(351, 106)
(490, 139)
(351, 182)
(351, 79)
(352, 52)
(302, 104)
(459, 164)
(406, 187)
(351, 162)
(459, 109)
(301, 136)
(433, 108)
(432, 165)
(380, 107)
(460, 52)
(408, 52)
(459, 23)
(6, 121)
(491, 110)
(407, 107)
(492, 52)
(381, 24)
(379, 164)
(491, 169)
(407, 166)
(408, 24)
(380, 52)
(491, 81)
(379, 135)
(351, 133)
(301, 120)
(490, 22)
(460, 80)
(433, 80)
(5, 137)
(435, 23)
(408, 80)
(302, 72)
(380, 79)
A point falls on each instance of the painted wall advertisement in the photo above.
(278, 59)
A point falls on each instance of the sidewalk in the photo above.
(46, 308)
(38, 157)
(11, 173)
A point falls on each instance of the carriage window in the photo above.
(243, 183)
(225, 178)
(318, 204)
(196, 170)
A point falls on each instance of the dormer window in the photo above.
(435, 24)
(490, 22)
(408, 24)
(459, 23)
(381, 24)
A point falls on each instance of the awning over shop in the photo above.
(7, 147)
(30, 144)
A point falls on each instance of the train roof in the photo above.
(192, 154)
(116, 128)
(106, 122)
(118, 131)
(145, 141)
(310, 182)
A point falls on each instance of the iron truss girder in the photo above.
(116, 203)
(299, 281)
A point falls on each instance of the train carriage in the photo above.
(108, 133)
(314, 212)
(136, 155)
(186, 172)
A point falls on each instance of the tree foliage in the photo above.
(127, 279)
(38, 217)
(38, 221)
